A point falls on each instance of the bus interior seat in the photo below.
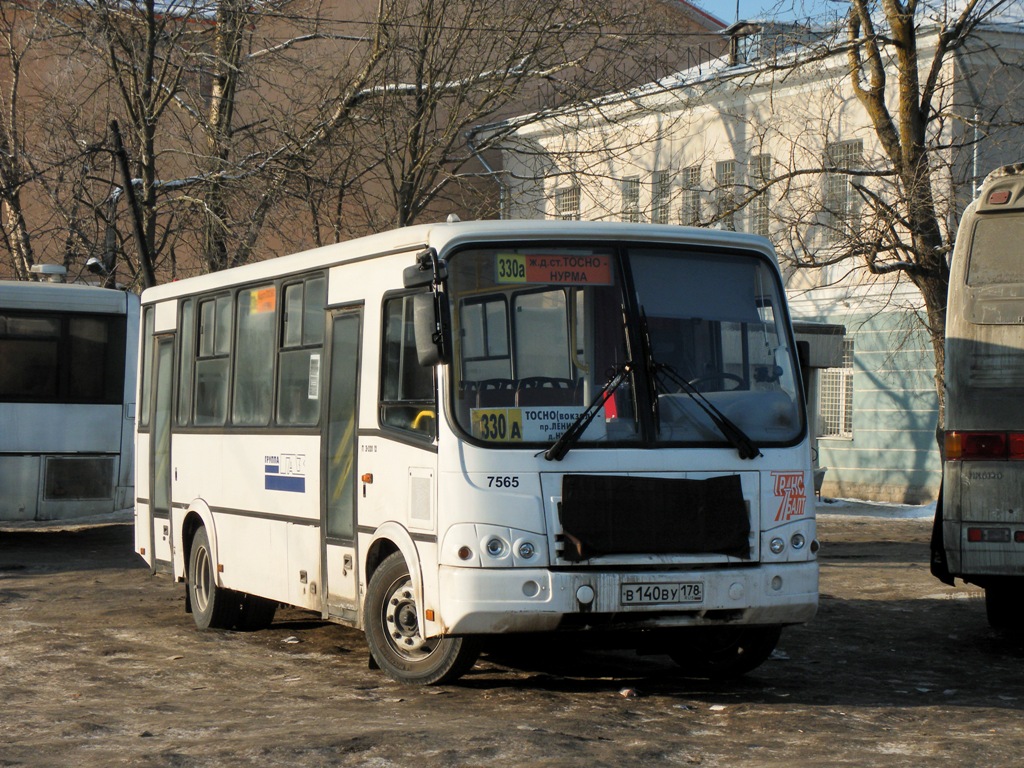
(494, 393)
(546, 390)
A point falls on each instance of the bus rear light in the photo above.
(984, 445)
(1016, 445)
(1018, 536)
(954, 446)
(988, 535)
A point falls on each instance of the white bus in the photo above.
(457, 430)
(979, 533)
(67, 400)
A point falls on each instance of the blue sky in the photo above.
(782, 9)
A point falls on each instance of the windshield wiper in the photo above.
(579, 425)
(736, 436)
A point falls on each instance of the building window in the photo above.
(689, 211)
(725, 196)
(842, 203)
(661, 191)
(631, 199)
(567, 203)
(761, 174)
(836, 397)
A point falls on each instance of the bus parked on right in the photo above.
(979, 532)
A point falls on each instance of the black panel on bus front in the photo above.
(616, 514)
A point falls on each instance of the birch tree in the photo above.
(908, 65)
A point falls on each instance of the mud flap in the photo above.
(939, 565)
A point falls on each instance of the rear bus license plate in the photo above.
(661, 594)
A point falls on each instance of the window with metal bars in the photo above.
(631, 198)
(689, 211)
(842, 203)
(835, 396)
(661, 191)
(761, 173)
(725, 180)
(567, 203)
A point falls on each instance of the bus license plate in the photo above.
(662, 594)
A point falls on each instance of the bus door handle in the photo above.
(346, 565)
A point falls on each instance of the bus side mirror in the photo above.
(432, 328)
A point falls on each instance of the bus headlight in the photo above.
(491, 546)
(496, 547)
(797, 541)
(777, 545)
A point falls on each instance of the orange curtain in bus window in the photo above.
(262, 300)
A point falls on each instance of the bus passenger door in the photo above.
(160, 455)
(340, 436)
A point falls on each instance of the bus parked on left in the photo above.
(68, 356)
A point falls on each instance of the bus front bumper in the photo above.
(490, 601)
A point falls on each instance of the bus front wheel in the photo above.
(213, 607)
(1004, 605)
(721, 653)
(395, 638)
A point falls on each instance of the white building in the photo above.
(773, 140)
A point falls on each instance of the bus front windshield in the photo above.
(685, 337)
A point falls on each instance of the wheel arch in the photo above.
(198, 515)
(388, 539)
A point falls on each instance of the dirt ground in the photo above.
(100, 666)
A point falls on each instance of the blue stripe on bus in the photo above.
(271, 468)
(285, 483)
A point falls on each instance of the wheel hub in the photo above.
(403, 626)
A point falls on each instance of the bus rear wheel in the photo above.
(395, 638)
(722, 653)
(1004, 605)
(213, 607)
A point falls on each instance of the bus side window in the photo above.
(254, 356)
(408, 397)
(30, 348)
(211, 390)
(302, 337)
(541, 335)
(187, 328)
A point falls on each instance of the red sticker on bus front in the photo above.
(789, 489)
(569, 270)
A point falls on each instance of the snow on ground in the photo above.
(858, 508)
(72, 524)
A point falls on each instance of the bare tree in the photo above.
(902, 124)
(453, 65)
(15, 170)
(252, 129)
(852, 148)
